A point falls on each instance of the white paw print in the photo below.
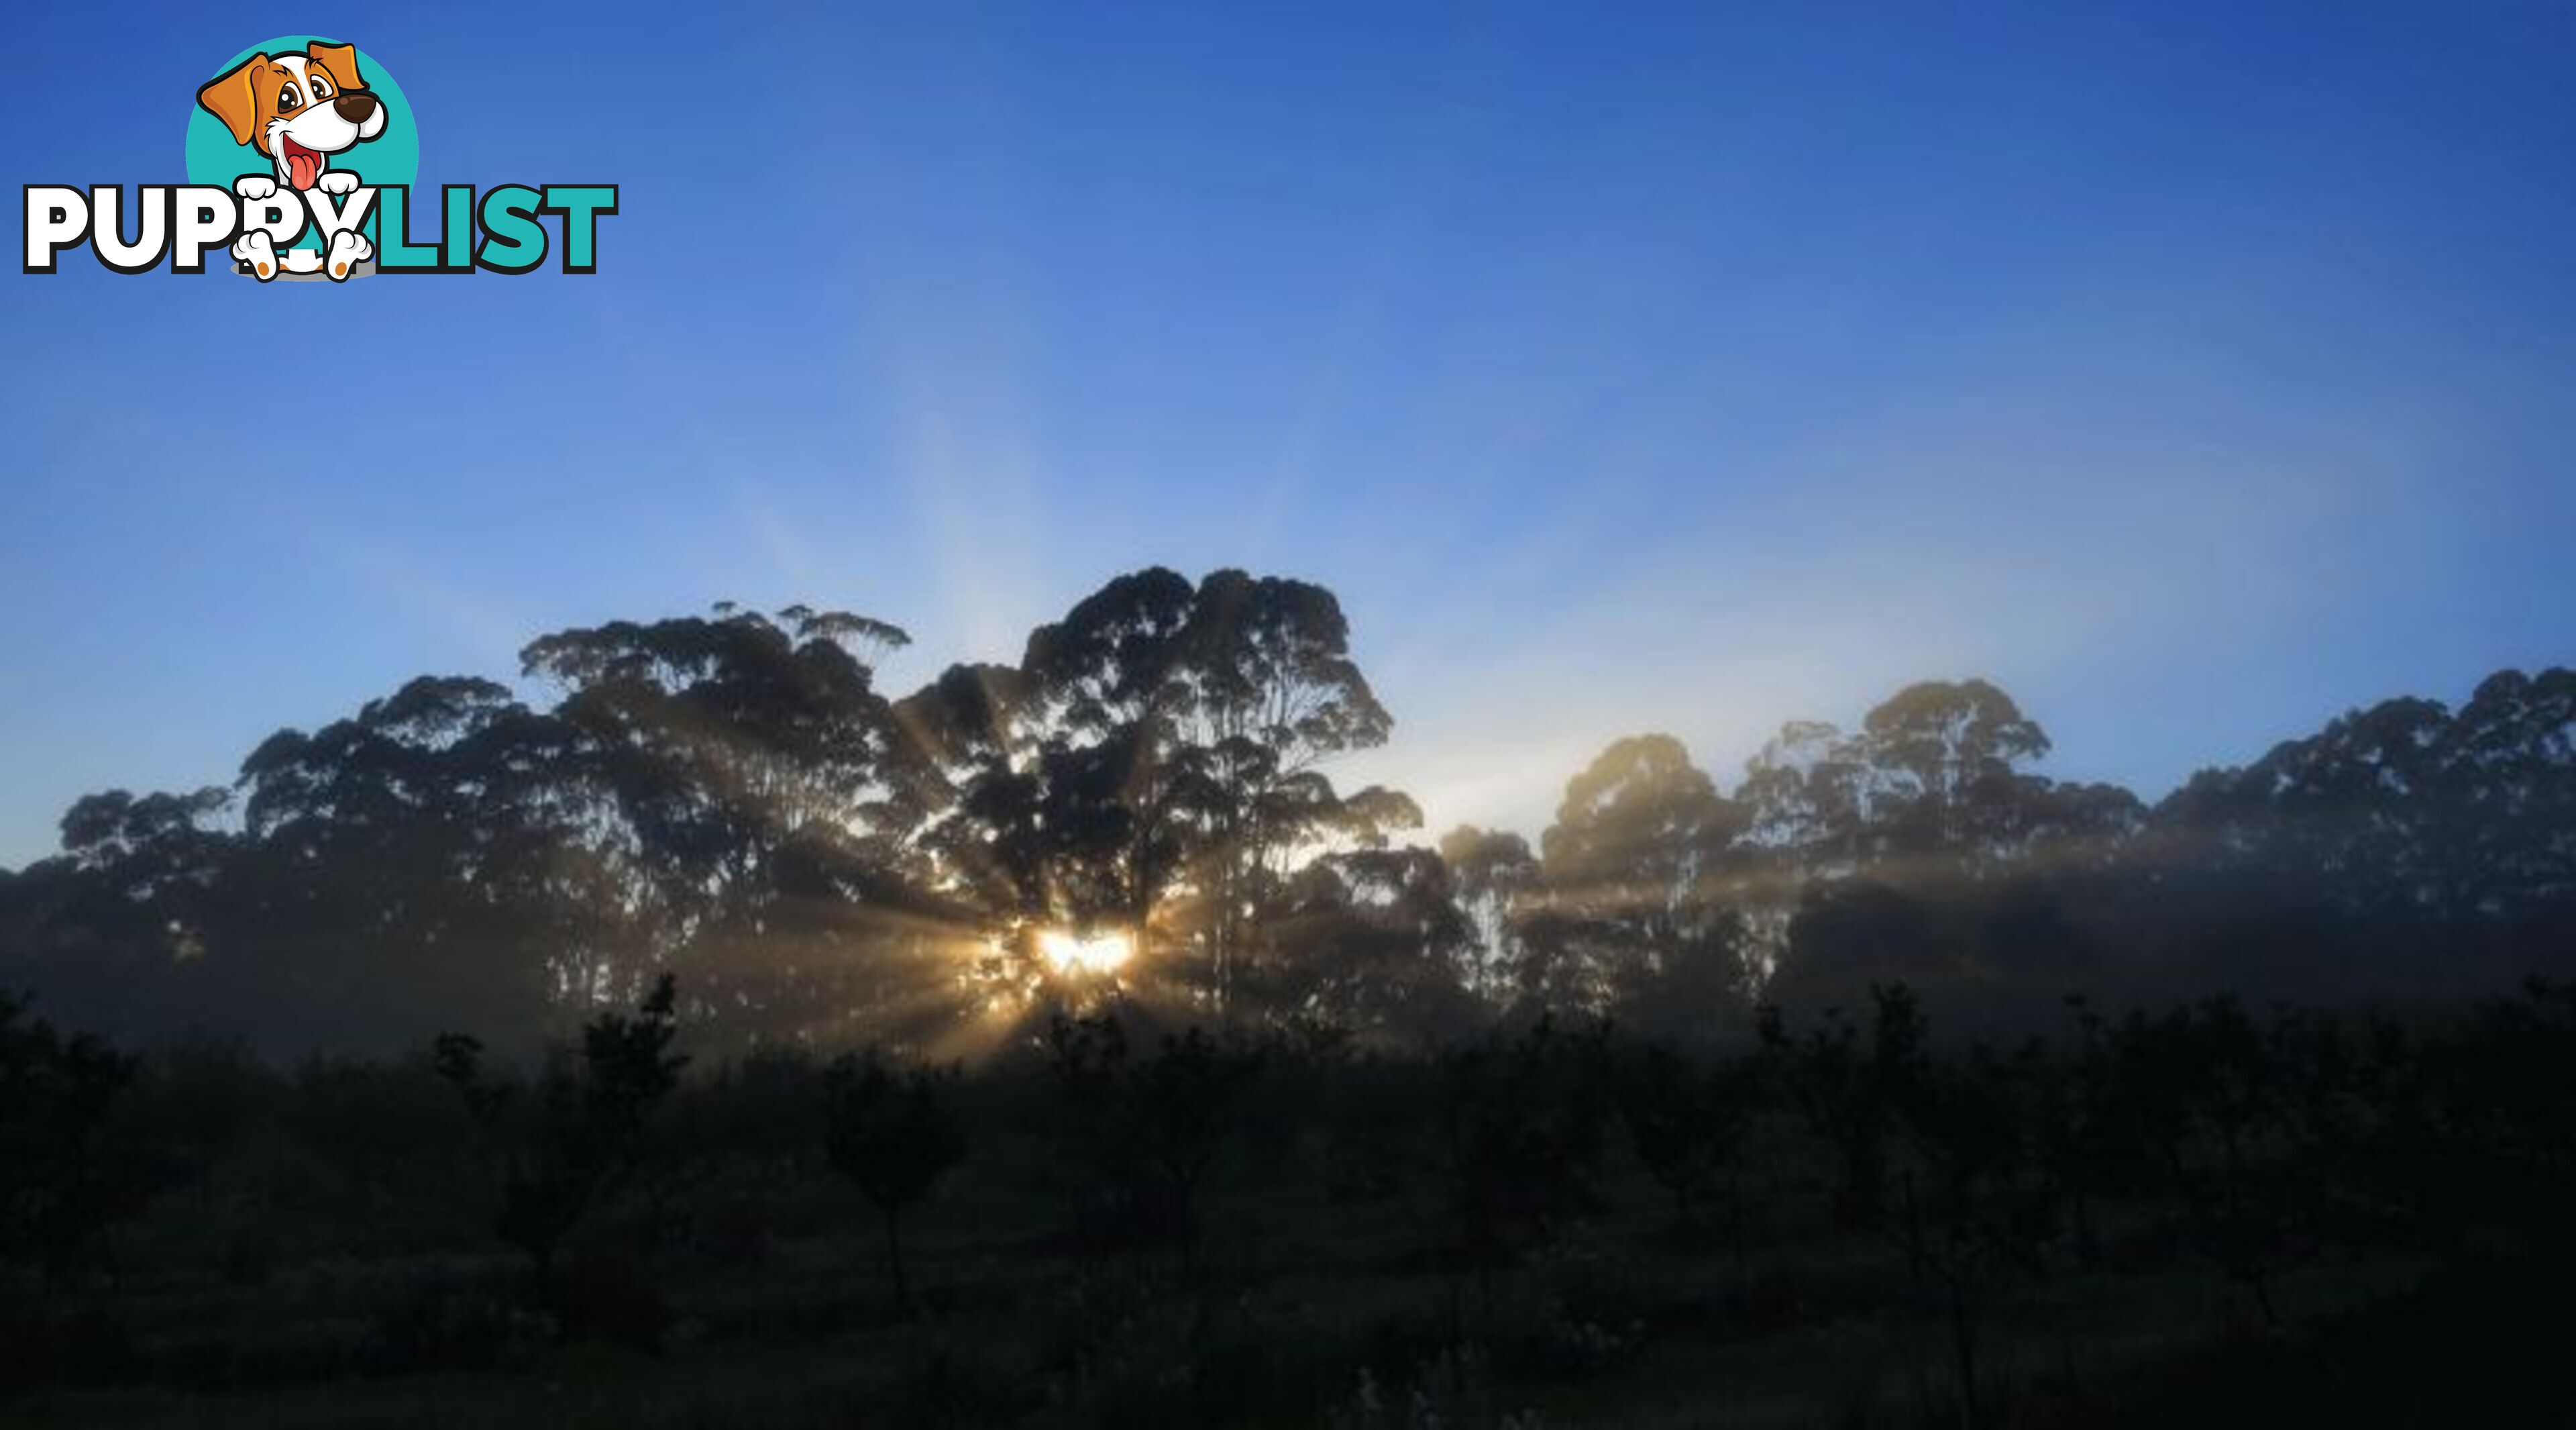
(255, 186)
(336, 181)
(255, 249)
(348, 249)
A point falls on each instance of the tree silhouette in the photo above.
(1850, 1087)
(1186, 1099)
(404, 851)
(1497, 884)
(738, 771)
(1373, 942)
(1153, 761)
(1525, 1122)
(1946, 758)
(2220, 1098)
(61, 1184)
(732, 797)
(1687, 1119)
(1852, 936)
(589, 1120)
(1151, 1127)
(893, 1133)
(1629, 869)
(1978, 1204)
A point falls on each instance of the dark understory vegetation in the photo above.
(2239, 1216)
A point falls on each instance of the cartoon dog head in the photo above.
(299, 110)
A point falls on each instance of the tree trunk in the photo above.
(1915, 1255)
(894, 1261)
(1963, 1342)
(1735, 1224)
(1185, 1211)
(2262, 1285)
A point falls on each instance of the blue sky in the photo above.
(2196, 375)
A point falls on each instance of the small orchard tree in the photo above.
(1151, 1126)
(61, 1184)
(1849, 1089)
(894, 1132)
(589, 1124)
(1186, 1099)
(1525, 1121)
(1978, 1204)
(2221, 1092)
(1087, 1056)
(1686, 1120)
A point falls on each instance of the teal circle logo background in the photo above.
(392, 157)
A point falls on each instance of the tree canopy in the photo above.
(732, 796)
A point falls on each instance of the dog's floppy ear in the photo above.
(234, 98)
(338, 61)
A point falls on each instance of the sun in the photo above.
(1071, 953)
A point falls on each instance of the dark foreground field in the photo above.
(2203, 1216)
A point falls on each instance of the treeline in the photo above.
(733, 799)
(2381, 1202)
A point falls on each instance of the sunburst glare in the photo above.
(1071, 953)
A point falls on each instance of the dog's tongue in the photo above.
(303, 167)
